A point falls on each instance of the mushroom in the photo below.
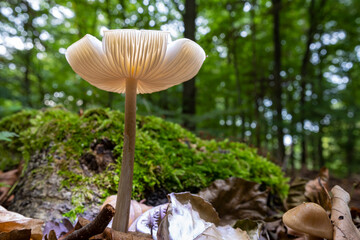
(310, 219)
(131, 62)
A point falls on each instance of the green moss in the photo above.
(10, 151)
(166, 156)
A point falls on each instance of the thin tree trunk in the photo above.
(277, 79)
(189, 88)
(320, 150)
(313, 20)
(27, 83)
(255, 76)
(238, 88)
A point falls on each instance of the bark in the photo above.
(277, 79)
(238, 87)
(27, 83)
(314, 21)
(189, 88)
(255, 76)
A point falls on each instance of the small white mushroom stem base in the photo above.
(121, 218)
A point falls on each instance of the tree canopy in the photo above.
(280, 75)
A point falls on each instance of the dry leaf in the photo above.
(252, 228)
(344, 228)
(60, 228)
(273, 229)
(296, 193)
(223, 233)
(149, 221)
(185, 218)
(129, 236)
(191, 217)
(10, 221)
(236, 198)
(7, 179)
(315, 190)
(21, 234)
(52, 236)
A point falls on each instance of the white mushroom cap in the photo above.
(309, 218)
(147, 56)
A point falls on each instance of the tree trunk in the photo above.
(313, 20)
(277, 79)
(255, 76)
(27, 83)
(189, 88)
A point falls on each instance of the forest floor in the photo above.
(350, 185)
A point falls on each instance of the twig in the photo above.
(95, 227)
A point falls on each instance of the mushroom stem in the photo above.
(121, 218)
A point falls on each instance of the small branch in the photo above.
(97, 226)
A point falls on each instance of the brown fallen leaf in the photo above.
(236, 198)
(316, 189)
(52, 236)
(10, 221)
(22, 234)
(296, 193)
(273, 229)
(7, 179)
(344, 228)
(129, 236)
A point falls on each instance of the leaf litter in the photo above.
(228, 209)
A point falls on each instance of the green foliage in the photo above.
(166, 155)
(6, 136)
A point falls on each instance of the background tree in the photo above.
(280, 75)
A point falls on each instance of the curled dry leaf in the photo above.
(10, 221)
(149, 221)
(344, 228)
(191, 217)
(316, 189)
(188, 216)
(236, 198)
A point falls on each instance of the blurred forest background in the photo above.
(281, 75)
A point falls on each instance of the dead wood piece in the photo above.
(344, 228)
(95, 227)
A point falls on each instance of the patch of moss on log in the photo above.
(166, 155)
